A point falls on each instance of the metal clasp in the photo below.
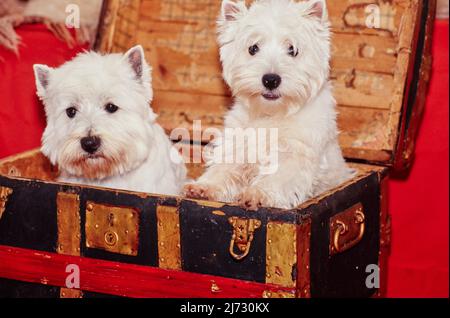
(242, 238)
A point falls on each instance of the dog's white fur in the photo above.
(135, 153)
(310, 159)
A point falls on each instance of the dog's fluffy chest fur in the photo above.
(309, 159)
(304, 132)
(310, 126)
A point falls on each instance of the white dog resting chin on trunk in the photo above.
(101, 130)
(276, 57)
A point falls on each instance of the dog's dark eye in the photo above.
(292, 51)
(253, 49)
(71, 112)
(111, 108)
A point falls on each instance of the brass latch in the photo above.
(4, 194)
(347, 229)
(113, 229)
(242, 238)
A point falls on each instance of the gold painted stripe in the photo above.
(70, 293)
(278, 294)
(169, 246)
(281, 254)
(68, 210)
(4, 194)
(69, 236)
(210, 204)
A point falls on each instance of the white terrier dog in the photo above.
(276, 57)
(101, 130)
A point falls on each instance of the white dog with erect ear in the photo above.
(101, 130)
(276, 57)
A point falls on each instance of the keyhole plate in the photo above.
(111, 228)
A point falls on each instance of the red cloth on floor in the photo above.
(418, 264)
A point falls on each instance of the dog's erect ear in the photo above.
(42, 77)
(318, 9)
(136, 57)
(232, 10)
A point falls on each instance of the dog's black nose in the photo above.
(271, 81)
(90, 144)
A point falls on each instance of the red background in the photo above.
(418, 266)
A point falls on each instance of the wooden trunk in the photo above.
(146, 245)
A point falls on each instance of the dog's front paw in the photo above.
(201, 192)
(253, 198)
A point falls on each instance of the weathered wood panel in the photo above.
(373, 47)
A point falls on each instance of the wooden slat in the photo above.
(185, 108)
(351, 15)
(358, 89)
(345, 15)
(365, 53)
(125, 25)
(363, 132)
(370, 66)
(122, 279)
(406, 144)
(363, 128)
(31, 164)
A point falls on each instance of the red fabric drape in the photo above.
(418, 265)
(22, 117)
